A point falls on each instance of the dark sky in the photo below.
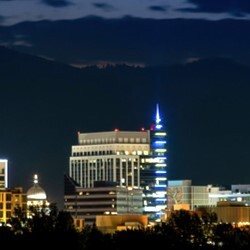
(202, 88)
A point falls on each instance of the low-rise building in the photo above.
(105, 198)
(11, 198)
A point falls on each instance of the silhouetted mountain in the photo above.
(44, 103)
(133, 40)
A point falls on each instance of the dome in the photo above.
(36, 192)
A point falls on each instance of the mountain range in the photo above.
(137, 41)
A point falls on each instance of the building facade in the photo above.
(105, 198)
(109, 156)
(154, 171)
(11, 198)
(131, 159)
(183, 192)
(3, 173)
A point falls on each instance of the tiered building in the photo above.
(133, 160)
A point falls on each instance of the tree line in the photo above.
(182, 231)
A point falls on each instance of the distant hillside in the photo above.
(133, 40)
(205, 105)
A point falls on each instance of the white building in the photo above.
(36, 198)
(3, 173)
(109, 156)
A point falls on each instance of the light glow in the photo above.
(160, 133)
(161, 165)
(160, 142)
(160, 172)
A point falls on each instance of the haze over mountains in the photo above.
(44, 103)
(137, 41)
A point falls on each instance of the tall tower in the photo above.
(154, 171)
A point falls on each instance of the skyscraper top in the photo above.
(158, 119)
(158, 124)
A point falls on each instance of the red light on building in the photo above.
(116, 129)
(142, 129)
(152, 127)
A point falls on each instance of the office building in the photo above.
(183, 192)
(3, 173)
(154, 171)
(109, 156)
(131, 159)
(11, 198)
(105, 198)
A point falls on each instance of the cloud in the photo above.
(22, 43)
(234, 7)
(103, 6)
(57, 3)
(157, 8)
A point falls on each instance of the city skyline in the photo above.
(192, 57)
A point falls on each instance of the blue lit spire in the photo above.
(158, 118)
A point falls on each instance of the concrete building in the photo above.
(105, 198)
(241, 188)
(109, 156)
(234, 212)
(131, 159)
(113, 223)
(183, 192)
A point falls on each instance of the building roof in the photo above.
(36, 192)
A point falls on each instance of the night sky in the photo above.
(192, 57)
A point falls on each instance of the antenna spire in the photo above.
(158, 119)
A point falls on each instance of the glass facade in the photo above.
(154, 172)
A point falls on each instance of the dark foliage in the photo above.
(183, 230)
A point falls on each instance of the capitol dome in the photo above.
(36, 192)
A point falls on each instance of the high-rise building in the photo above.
(154, 171)
(3, 173)
(109, 156)
(131, 159)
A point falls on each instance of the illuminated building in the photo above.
(10, 198)
(183, 192)
(36, 197)
(3, 173)
(105, 198)
(109, 156)
(154, 172)
(131, 159)
(112, 224)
